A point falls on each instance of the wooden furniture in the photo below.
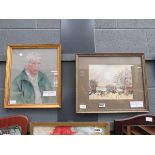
(19, 120)
(138, 125)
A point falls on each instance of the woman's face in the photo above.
(33, 67)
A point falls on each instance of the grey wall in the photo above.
(100, 36)
(128, 36)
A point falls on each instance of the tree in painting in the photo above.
(92, 86)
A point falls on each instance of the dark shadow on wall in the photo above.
(77, 36)
(67, 112)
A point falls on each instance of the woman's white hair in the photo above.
(32, 56)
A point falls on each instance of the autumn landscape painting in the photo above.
(110, 82)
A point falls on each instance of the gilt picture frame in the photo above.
(70, 128)
(33, 76)
(111, 83)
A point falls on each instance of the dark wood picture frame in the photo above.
(135, 100)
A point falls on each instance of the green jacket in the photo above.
(23, 92)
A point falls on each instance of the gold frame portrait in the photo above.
(55, 52)
(43, 127)
(98, 69)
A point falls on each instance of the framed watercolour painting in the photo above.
(69, 128)
(111, 83)
(33, 76)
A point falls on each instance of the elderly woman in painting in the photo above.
(31, 86)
